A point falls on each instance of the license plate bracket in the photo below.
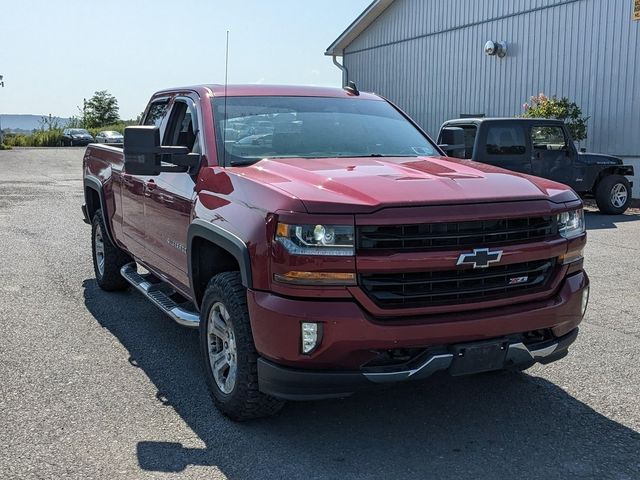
(477, 357)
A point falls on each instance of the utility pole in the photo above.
(1, 136)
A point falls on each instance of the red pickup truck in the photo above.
(323, 244)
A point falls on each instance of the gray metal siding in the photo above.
(427, 56)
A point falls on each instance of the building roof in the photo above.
(359, 25)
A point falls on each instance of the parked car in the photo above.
(544, 148)
(109, 136)
(346, 252)
(72, 137)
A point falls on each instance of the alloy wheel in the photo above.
(223, 354)
(99, 250)
(619, 195)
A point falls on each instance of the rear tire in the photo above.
(613, 194)
(108, 259)
(228, 352)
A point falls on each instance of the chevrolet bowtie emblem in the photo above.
(480, 258)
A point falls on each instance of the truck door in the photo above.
(504, 144)
(133, 191)
(553, 156)
(169, 198)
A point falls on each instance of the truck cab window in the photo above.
(155, 114)
(506, 140)
(548, 138)
(469, 140)
(181, 130)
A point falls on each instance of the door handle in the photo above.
(151, 185)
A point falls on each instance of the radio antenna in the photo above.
(226, 81)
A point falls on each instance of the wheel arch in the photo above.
(212, 250)
(94, 200)
(605, 172)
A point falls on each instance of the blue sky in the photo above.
(55, 53)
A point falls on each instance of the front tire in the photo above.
(613, 194)
(228, 352)
(108, 259)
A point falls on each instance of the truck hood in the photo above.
(359, 185)
(599, 159)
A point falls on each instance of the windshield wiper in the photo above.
(244, 163)
(376, 155)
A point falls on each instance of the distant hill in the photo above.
(22, 123)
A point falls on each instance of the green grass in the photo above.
(53, 138)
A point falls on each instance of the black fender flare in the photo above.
(223, 239)
(94, 184)
(624, 170)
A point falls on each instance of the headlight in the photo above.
(316, 239)
(571, 224)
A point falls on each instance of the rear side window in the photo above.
(156, 113)
(506, 140)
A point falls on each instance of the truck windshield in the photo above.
(313, 127)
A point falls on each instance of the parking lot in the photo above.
(102, 385)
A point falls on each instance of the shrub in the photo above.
(5, 147)
(116, 127)
(53, 137)
(39, 138)
(541, 106)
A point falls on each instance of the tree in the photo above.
(541, 106)
(75, 122)
(49, 123)
(100, 110)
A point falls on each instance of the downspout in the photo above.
(345, 72)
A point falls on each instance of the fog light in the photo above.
(309, 336)
(585, 300)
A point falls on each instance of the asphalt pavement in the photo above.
(103, 385)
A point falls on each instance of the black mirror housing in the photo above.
(452, 141)
(144, 155)
(141, 148)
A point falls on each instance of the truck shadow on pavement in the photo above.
(598, 221)
(487, 426)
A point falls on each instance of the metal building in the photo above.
(428, 57)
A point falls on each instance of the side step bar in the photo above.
(160, 299)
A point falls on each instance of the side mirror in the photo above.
(452, 141)
(144, 155)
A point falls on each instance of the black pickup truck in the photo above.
(543, 148)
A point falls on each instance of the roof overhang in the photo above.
(358, 26)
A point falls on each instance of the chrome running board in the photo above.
(162, 300)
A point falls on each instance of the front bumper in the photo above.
(295, 384)
(352, 339)
(351, 336)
